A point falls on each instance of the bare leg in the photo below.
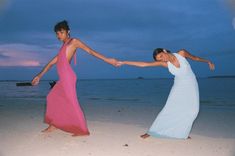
(145, 136)
(50, 128)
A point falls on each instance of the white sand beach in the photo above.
(115, 131)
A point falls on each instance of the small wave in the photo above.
(22, 97)
(206, 101)
(94, 98)
(122, 99)
(115, 99)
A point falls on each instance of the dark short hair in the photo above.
(158, 51)
(61, 25)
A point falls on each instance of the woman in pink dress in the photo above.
(63, 110)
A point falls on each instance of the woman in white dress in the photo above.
(182, 106)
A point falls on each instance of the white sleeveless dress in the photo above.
(182, 106)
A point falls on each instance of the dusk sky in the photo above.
(122, 29)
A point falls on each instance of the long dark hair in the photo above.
(158, 51)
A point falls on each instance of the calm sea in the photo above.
(216, 93)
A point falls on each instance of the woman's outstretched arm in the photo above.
(186, 54)
(143, 64)
(80, 44)
(37, 78)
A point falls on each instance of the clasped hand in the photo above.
(115, 62)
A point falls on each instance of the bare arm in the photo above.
(143, 64)
(80, 44)
(37, 78)
(186, 54)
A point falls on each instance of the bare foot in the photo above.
(50, 128)
(145, 136)
(75, 135)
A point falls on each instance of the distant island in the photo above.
(222, 76)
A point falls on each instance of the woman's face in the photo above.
(163, 56)
(62, 35)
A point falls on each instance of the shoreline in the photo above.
(142, 78)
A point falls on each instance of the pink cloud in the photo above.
(27, 63)
(24, 55)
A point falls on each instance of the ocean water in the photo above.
(215, 93)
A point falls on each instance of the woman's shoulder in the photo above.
(77, 42)
(182, 52)
(74, 42)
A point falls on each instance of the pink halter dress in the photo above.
(63, 110)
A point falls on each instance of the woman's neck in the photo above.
(66, 40)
